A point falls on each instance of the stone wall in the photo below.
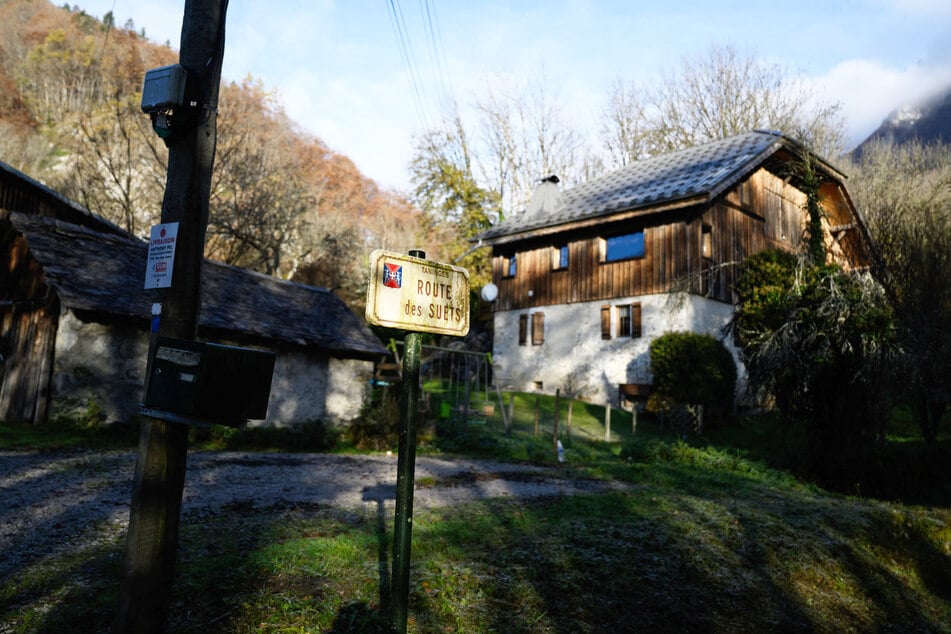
(307, 387)
(99, 374)
(98, 370)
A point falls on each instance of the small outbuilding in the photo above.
(74, 320)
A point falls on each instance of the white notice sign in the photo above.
(415, 294)
(158, 268)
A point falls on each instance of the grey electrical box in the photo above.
(164, 88)
(208, 382)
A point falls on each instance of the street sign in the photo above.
(161, 260)
(416, 294)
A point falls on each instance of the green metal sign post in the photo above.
(416, 295)
(405, 475)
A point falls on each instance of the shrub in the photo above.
(377, 428)
(824, 351)
(696, 369)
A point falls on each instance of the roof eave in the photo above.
(590, 221)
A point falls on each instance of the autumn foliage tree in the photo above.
(457, 208)
(282, 203)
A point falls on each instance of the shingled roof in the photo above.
(105, 273)
(699, 173)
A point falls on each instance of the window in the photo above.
(624, 247)
(559, 258)
(623, 321)
(706, 254)
(629, 320)
(522, 329)
(706, 242)
(511, 266)
(538, 329)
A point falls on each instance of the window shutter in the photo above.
(635, 320)
(538, 329)
(522, 329)
(605, 322)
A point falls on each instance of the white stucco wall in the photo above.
(573, 343)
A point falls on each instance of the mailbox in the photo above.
(196, 381)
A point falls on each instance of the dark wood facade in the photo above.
(693, 248)
(28, 318)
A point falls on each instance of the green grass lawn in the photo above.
(709, 536)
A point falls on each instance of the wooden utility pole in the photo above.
(160, 466)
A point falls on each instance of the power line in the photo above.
(440, 70)
(105, 42)
(406, 51)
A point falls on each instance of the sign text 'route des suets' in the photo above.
(416, 294)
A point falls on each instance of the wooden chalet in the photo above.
(74, 320)
(587, 277)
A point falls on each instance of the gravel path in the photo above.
(49, 499)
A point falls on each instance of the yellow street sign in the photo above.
(416, 294)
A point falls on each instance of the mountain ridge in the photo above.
(928, 121)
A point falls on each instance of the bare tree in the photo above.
(111, 160)
(525, 136)
(905, 194)
(625, 127)
(457, 206)
(259, 197)
(727, 92)
(116, 164)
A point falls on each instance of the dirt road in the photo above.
(49, 499)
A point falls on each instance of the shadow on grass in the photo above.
(715, 552)
(708, 540)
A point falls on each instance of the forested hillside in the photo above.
(282, 202)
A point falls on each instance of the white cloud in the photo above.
(870, 90)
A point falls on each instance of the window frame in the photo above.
(606, 244)
(510, 269)
(706, 242)
(632, 328)
(560, 258)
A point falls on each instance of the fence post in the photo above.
(536, 416)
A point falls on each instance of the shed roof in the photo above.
(698, 173)
(19, 192)
(101, 272)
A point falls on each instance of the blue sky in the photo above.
(341, 73)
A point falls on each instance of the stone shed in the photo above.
(76, 320)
